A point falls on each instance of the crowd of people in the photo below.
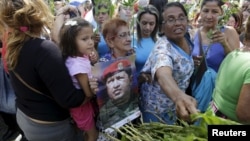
(48, 56)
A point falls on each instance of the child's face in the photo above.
(85, 41)
(125, 13)
(101, 17)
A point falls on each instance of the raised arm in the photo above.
(59, 20)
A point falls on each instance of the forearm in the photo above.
(168, 85)
(84, 84)
(56, 28)
(170, 88)
(86, 89)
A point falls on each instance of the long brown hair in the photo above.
(26, 19)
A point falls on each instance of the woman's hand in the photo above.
(61, 16)
(185, 106)
(218, 37)
(93, 85)
(66, 10)
(144, 77)
(229, 39)
(93, 57)
(197, 61)
(97, 39)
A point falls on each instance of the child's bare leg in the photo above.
(92, 134)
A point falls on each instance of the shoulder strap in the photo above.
(200, 42)
(200, 70)
(202, 53)
(28, 86)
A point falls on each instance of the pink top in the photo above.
(78, 65)
(82, 115)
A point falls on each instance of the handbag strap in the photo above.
(200, 43)
(28, 86)
(200, 70)
(202, 53)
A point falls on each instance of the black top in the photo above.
(41, 65)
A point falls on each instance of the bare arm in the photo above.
(84, 84)
(229, 39)
(59, 20)
(242, 110)
(232, 40)
(185, 104)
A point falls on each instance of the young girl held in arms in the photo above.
(77, 45)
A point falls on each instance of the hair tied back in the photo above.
(24, 28)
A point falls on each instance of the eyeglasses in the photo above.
(124, 35)
(172, 21)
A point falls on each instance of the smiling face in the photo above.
(175, 23)
(84, 41)
(210, 13)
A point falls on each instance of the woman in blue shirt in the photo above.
(147, 28)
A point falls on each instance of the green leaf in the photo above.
(128, 3)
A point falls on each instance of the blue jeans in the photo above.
(7, 95)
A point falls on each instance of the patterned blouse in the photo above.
(165, 53)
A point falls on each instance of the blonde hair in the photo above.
(33, 15)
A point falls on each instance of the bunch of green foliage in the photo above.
(128, 3)
(228, 9)
(157, 131)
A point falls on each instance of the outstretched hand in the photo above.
(185, 106)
